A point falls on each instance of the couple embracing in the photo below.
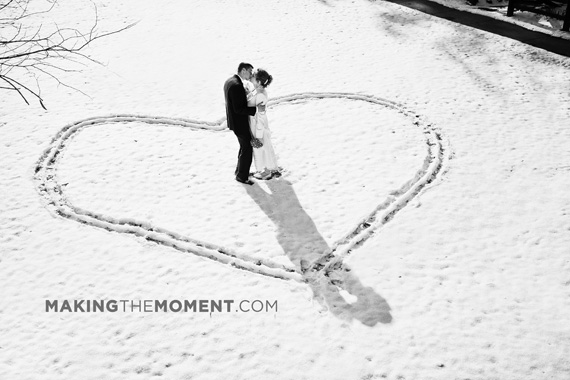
(246, 102)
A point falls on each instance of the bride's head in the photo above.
(262, 78)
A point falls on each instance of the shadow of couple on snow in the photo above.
(304, 245)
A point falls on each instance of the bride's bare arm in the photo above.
(260, 101)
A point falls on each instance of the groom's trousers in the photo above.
(245, 156)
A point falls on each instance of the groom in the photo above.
(238, 113)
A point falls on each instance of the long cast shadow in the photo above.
(303, 244)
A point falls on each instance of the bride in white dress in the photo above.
(264, 156)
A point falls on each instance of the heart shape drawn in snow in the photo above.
(46, 176)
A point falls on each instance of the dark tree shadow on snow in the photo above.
(303, 244)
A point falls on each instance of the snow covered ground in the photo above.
(426, 167)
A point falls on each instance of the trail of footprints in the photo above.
(50, 189)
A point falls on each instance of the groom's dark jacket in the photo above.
(237, 110)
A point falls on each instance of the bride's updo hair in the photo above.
(263, 77)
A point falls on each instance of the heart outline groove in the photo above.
(45, 176)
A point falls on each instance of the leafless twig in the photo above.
(38, 51)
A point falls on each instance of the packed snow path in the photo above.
(56, 201)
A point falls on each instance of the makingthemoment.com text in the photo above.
(160, 306)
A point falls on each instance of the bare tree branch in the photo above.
(41, 51)
(17, 86)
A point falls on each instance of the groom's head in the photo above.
(245, 70)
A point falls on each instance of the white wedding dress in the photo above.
(264, 157)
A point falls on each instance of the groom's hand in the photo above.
(261, 107)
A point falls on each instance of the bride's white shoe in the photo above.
(266, 174)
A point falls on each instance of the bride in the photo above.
(264, 155)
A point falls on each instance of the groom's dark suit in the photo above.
(238, 113)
